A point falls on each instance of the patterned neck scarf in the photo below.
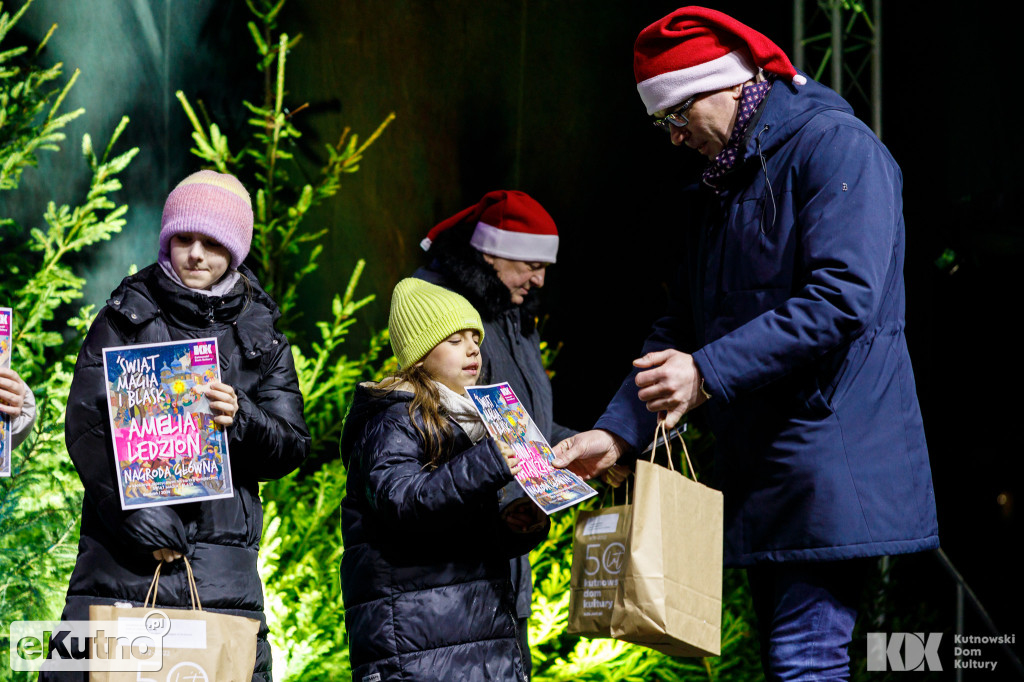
(753, 95)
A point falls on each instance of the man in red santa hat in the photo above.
(789, 331)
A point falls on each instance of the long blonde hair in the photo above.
(436, 431)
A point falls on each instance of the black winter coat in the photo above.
(425, 573)
(268, 440)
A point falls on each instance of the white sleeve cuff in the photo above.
(21, 425)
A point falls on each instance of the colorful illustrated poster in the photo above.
(6, 335)
(167, 448)
(506, 419)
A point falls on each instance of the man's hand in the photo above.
(589, 454)
(670, 384)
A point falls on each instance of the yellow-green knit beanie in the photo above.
(423, 315)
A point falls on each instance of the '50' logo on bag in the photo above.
(610, 559)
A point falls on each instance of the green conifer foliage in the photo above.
(40, 502)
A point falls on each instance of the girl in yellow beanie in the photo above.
(425, 573)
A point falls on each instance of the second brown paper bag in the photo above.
(598, 562)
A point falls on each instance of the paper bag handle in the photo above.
(153, 586)
(662, 430)
(193, 591)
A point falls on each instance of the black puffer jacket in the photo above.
(425, 573)
(268, 439)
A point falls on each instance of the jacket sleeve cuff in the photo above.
(712, 382)
(515, 544)
(146, 529)
(628, 417)
(509, 494)
(21, 426)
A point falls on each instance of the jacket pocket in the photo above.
(831, 377)
(858, 358)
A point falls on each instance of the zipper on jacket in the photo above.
(515, 629)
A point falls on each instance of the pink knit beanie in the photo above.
(214, 204)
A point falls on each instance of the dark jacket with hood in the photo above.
(511, 351)
(425, 572)
(795, 318)
(268, 439)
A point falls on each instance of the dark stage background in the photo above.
(538, 95)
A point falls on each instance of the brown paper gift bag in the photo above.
(598, 561)
(670, 597)
(196, 644)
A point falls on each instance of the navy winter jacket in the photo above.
(425, 572)
(268, 440)
(795, 318)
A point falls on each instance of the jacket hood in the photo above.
(141, 297)
(791, 108)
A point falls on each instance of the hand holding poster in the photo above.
(506, 420)
(167, 448)
(6, 336)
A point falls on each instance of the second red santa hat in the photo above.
(509, 224)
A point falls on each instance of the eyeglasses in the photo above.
(676, 118)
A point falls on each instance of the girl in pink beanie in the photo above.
(197, 288)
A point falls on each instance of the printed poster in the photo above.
(6, 336)
(506, 419)
(167, 448)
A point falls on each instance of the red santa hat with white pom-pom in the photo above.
(695, 50)
(509, 224)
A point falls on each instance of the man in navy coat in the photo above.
(789, 330)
